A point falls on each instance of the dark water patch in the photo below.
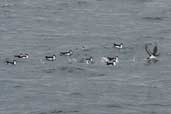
(18, 86)
(63, 112)
(113, 106)
(129, 1)
(148, 37)
(157, 104)
(100, 75)
(42, 113)
(142, 1)
(96, 74)
(166, 82)
(56, 112)
(162, 38)
(39, 112)
(71, 69)
(73, 111)
(153, 18)
(100, 0)
(63, 6)
(165, 31)
(11, 83)
(50, 70)
(81, 4)
(76, 94)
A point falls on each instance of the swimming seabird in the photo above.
(113, 63)
(110, 60)
(50, 58)
(89, 60)
(66, 53)
(12, 62)
(107, 59)
(119, 46)
(152, 56)
(22, 55)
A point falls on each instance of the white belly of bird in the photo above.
(153, 57)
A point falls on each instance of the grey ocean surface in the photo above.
(66, 86)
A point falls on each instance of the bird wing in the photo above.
(62, 53)
(147, 50)
(155, 50)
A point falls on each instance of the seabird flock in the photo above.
(111, 61)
